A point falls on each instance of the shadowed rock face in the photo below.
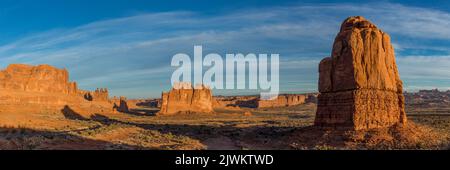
(359, 84)
(123, 106)
(186, 99)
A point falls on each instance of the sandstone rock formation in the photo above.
(359, 84)
(155, 103)
(235, 101)
(183, 98)
(122, 106)
(45, 88)
(282, 101)
(311, 98)
(41, 78)
(101, 94)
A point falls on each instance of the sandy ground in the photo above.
(275, 128)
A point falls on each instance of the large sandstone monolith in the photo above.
(359, 84)
(185, 99)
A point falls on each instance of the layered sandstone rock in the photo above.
(359, 84)
(256, 102)
(41, 78)
(235, 101)
(282, 101)
(185, 99)
(44, 88)
(100, 94)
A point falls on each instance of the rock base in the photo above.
(360, 109)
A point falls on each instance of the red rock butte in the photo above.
(359, 84)
(45, 88)
(183, 98)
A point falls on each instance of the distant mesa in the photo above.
(235, 102)
(359, 84)
(183, 98)
(283, 101)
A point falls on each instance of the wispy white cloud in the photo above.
(424, 67)
(134, 52)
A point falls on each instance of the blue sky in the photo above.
(127, 45)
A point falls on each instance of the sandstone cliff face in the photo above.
(46, 88)
(282, 101)
(41, 78)
(359, 84)
(185, 99)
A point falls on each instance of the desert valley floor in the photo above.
(274, 128)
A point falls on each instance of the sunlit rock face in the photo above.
(282, 101)
(44, 88)
(41, 78)
(183, 98)
(359, 84)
